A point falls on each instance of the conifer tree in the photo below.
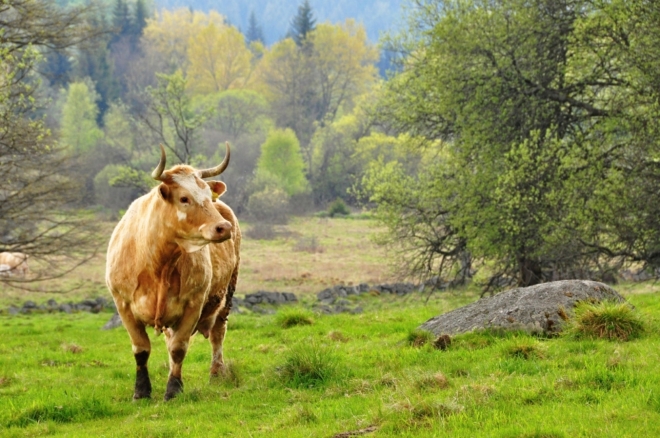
(121, 19)
(302, 24)
(255, 31)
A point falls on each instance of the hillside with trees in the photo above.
(515, 143)
(274, 16)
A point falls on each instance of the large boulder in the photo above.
(540, 309)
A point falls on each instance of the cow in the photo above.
(5, 271)
(172, 264)
(14, 263)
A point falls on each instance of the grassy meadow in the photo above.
(298, 374)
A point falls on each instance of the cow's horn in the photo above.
(158, 171)
(217, 170)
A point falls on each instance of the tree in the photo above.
(121, 20)
(170, 32)
(255, 32)
(218, 59)
(94, 61)
(79, 130)
(140, 20)
(281, 159)
(37, 193)
(309, 86)
(344, 63)
(171, 118)
(238, 112)
(540, 116)
(302, 24)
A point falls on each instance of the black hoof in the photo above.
(174, 386)
(142, 384)
(141, 395)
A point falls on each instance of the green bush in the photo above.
(269, 206)
(605, 320)
(338, 207)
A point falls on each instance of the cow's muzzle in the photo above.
(219, 232)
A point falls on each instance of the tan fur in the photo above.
(152, 274)
(16, 263)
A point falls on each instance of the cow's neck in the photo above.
(161, 238)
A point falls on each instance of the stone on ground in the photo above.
(539, 309)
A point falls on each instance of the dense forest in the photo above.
(514, 142)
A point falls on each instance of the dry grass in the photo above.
(348, 257)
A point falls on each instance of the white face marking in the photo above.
(188, 183)
(181, 215)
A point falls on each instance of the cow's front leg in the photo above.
(141, 350)
(177, 346)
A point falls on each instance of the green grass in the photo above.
(60, 375)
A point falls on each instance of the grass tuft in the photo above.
(338, 336)
(432, 381)
(605, 320)
(72, 348)
(418, 338)
(292, 317)
(426, 411)
(308, 365)
(442, 342)
(523, 348)
(231, 376)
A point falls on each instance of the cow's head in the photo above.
(189, 199)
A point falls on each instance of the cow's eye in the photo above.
(184, 200)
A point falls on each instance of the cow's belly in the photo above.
(144, 304)
(144, 309)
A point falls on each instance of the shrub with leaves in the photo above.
(606, 320)
(338, 207)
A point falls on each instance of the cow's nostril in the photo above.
(219, 229)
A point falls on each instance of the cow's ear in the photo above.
(218, 188)
(164, 191)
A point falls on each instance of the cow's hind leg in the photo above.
(217, 337)
(141, 350)
(219, 329)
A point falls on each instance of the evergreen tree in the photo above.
(255, 31)
(57, 68)
(140, 21)
(302, 24)
(94, 61)
(121, 19)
